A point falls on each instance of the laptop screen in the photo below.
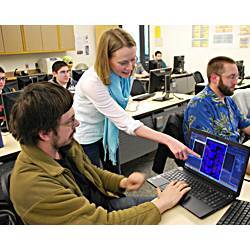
(221, 160)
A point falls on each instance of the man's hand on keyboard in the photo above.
(171, 195)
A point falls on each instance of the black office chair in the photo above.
(198, 79)
(137, 88)
(8, 215)
(173, 128)
(13, 85)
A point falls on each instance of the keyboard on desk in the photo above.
(143, 96)
(237, 214)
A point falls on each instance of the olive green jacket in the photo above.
(43, 192)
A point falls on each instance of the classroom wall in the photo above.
(11, 62)
(176, 40)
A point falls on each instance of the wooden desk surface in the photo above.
(10, 145)
(137, 108)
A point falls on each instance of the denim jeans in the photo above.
(127, 202)
(95, 152)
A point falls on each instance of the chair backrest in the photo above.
(5, 184)
(198, 77)
(137, 88)
(8, 215)
(13, 85)
(173, 128)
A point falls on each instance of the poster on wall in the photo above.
(244, 36)
(200, 36)
(222, 36)
(82, 44)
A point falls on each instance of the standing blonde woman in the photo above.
(100, 99)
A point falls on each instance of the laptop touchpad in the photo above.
(196, 206)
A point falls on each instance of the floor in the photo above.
(144, 165)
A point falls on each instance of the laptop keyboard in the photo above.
(237, 214)
(200, 190)
(143, 96)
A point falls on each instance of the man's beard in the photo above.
(224, 89)
(65, 145)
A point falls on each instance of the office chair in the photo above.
(13, 85)
(137, 88)
(198, 79)
(173, 128)
(8, 215)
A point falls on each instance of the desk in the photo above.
(179, 215)
(244, 85)
(154, 115)
(11, 147)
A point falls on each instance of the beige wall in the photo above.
(11, 62)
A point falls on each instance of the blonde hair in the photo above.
(110, 41)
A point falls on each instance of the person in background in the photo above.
(213, 110)
(139, 71)
(54, 182)
(61, 75)
(159, 61)
(3, 89)
(100, 99)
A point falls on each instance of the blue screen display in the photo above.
(220, 161)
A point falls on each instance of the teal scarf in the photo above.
(119, 90)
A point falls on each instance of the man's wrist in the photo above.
(123, 183)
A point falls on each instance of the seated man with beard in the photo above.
(213, 110)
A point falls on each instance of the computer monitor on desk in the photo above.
(160, 80)
(77, 73)
(178, 65)
(24, 81)
(8, 100)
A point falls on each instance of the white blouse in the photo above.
(92, 102)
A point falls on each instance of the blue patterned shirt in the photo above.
(207, 112)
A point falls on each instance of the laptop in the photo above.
(215, 178)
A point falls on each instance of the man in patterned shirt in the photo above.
(213, 110)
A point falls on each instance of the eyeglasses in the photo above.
(230, 77)
(64, 72)
(2, 78)
(69, 123)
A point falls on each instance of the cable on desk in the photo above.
(180, 98)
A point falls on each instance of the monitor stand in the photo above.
(163, 98)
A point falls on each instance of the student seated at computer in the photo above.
(53, 180)
(139, 71)
(61, 75)
(3, 89)
(158, 59)
(213, 110)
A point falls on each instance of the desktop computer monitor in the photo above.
(24, 81)
(157, 79)
(77, 73)
(42, 78)
(8, 100)
(241, 69)
(178, 65)
(152, 65)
